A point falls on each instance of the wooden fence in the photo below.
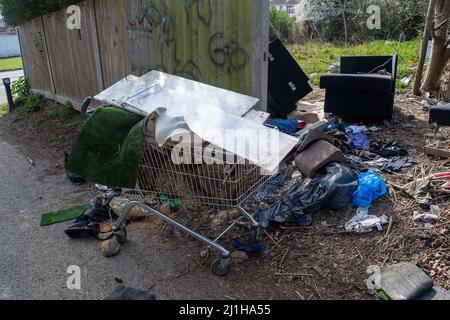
(219, 42)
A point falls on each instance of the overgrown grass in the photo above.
(316, 58)
(63, 112)
(33, 103)
(68, 114)
(3, 109)
(11, 64)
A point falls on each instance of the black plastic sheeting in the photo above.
(332, 188)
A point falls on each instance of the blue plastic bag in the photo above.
(371, 187)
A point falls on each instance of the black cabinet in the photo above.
(287, 81)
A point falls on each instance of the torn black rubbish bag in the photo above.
(331, 188)
(267, 192)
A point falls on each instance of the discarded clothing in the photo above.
(332, 188)
(89, 223)
(362, 222)
(267, 191)
(367, 155)
(419, 190)
(249, 248)
(389, 149)
(357, 163)
(371, 187)
(285, 126)
(108, 149)
(360, 140)
(395, 164)
(344, 143)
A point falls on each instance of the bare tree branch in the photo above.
(441, 24)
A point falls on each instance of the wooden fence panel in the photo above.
(111, 34)
(212, 41)
(73, 53)
(34, 55)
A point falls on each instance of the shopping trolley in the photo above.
(211, 183)
(216, 185)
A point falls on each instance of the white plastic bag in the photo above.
(363, 222)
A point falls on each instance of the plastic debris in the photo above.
(356, 129)
(267, 191)
(427, 219)
(362, 222)
(371, 187)
(332, 188)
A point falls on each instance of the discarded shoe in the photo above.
(89, 224)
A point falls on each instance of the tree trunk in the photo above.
(424, 47)
(440, 54)
(448, 89)
(344, 18)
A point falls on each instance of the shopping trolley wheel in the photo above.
(121, 236)
(221, 267)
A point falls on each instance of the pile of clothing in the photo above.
(363, 154)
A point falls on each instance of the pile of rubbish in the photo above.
(336, 164)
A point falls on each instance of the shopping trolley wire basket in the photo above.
(211, 183)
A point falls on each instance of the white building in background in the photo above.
(288, 6)
(9, 41)
(4, 29)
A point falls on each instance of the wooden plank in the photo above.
(34, 55)
(50, 71)
(96, 45)
(110, 16)
(432, 151)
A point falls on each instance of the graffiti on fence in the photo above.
(229, 55)
(202, 9)
(151, 19)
